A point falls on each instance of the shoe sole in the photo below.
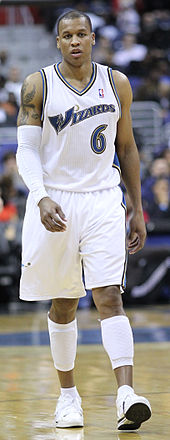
(136, 414)
(69, 425)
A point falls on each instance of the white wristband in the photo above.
(28, 160)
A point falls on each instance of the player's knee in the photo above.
(108, 301)
(63, 310)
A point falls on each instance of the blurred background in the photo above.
(133, 37)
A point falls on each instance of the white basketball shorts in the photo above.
(95, 238)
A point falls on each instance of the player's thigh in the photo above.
(103, 247)
(51, 261)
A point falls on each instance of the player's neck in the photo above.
(76, 73)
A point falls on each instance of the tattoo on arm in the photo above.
(26, 98)
(27, 105)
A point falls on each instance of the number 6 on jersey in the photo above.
(98, 139)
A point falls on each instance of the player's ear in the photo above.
(58, 42)
(93, 38)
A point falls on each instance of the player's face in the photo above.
(75, 40)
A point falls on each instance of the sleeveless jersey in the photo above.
(79, 128)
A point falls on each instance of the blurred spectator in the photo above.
(164, 98)
(4, 62)
(159, 207)
(128, 18)
(155, 28)
(20, 191)
(9, 108)
(14, 84)
(155, 87)
(3, 98)
(109, 30)
(159, 168)
(10, 170)
(148, 90)
(166, 156)
(130, 51)
(8, 210)
(8, 104)
(103, 52)
(3, 91)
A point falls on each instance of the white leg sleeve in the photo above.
(63, 341)
(118, 340)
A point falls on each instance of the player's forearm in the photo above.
(130, 168)
(28, 160)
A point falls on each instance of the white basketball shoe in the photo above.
(68, 412)
(132, 411)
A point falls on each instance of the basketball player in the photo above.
(73, 125)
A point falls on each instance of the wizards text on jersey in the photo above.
(59, 122)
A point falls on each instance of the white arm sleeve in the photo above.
(28, 160)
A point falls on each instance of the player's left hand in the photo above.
(137, 234)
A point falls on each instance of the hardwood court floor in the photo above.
(29, 385)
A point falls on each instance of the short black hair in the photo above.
(71, 14)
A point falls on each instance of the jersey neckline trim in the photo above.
(78, 92)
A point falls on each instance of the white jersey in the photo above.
(79, 129)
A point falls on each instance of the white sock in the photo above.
(63, 341)
(118, 340)
(123, 391)
(71, 391)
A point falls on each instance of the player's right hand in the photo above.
(52, 216)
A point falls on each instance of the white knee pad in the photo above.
(63, 341)
(117, 340)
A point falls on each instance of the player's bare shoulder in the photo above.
(123, 87)
(31, 100)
